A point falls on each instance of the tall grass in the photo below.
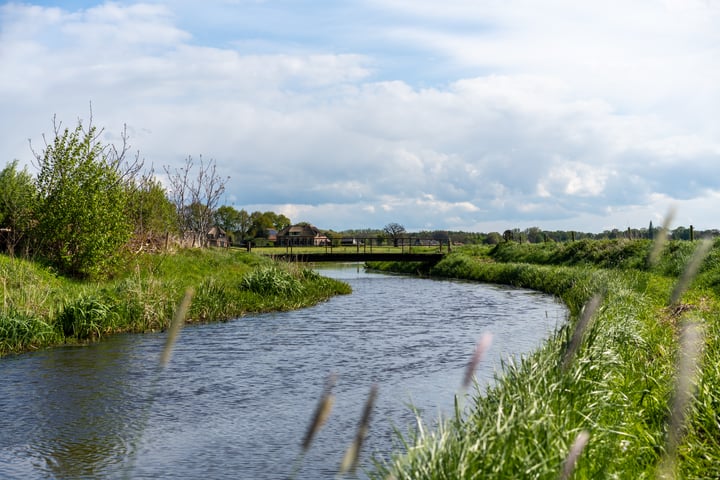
(620, 394)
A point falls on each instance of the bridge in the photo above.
(309, 257)
(358, 249)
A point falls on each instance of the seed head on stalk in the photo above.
(352, 454)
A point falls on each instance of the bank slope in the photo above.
(41, 309)
(618, 384)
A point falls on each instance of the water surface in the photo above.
(236, 399)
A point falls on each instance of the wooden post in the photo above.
(692, 234)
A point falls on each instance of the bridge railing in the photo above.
(361, 244)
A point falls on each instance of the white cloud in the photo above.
(542, 115)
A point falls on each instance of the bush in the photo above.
(81, 217)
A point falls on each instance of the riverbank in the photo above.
(618, 384)
(41, 309)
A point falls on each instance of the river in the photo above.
(236, 399)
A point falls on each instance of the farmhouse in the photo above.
(217, 237)
(302, 234)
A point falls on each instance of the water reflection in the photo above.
(71, 416)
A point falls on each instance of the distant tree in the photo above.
(508, 235)
(195, 194)
(534, 235)
(244, 224)
(651, 231)
(81, 202)
(281, 221)
(493, 238)
(17, 205)
(394, 231)
(261, 222)
(681, 233)
(227, 218)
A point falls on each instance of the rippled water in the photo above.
(237, 397)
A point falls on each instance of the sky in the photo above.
(480, 115)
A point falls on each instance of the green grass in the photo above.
(40, 308)
(620, 386)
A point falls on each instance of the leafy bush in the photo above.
(81, 217)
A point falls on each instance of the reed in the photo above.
(352, 454)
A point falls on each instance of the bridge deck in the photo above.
(360, 257)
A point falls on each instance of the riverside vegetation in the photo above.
(627, 389)
(41, 308)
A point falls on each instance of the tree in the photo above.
(81, 202)
(17, 200)
(493, 238)
(227, 218)
(244, 224)
(394, 231)
(260, 222)
(281, 221)
(534, 235)
(149, 209)
(195, 196)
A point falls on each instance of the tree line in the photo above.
(90, 205)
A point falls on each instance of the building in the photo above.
(217, 237)
(302, 234)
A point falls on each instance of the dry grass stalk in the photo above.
(575, 450)
(581, 327)
(352, 455)
(322, 412)
(691, 270)
(692, 339)
(661, 238)
(175, 326)
(482, 346)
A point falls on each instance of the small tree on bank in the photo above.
(81, 199)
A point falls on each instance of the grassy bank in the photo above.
(40, 308)
(619, 386)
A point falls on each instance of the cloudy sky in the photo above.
(475, 115)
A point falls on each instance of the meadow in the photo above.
(627, 389)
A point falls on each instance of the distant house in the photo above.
(217, 237)
(424, 242)
(302, 234)
(350, 241)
